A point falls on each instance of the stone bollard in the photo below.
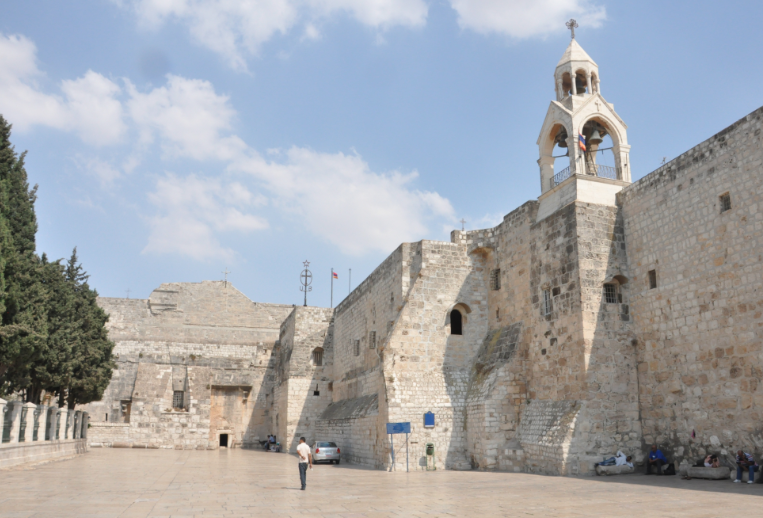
(55, 418)
(63, 424)
(75, 424)
(2, 417)
(15, 421)
(42, 423)
(29, 425)
(85, 423)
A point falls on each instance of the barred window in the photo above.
(495, 279)
(546, 302)
(372, 340)
(356, 347)
(318, 356)
(652, 279)
(611, 294)
(177, 399)
(725, 200)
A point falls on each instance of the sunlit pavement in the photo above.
(139, 483)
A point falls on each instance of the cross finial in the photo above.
(128, 293)
(572, 25)
(226, 272)
(463, 222)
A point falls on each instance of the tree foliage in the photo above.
(53, 336)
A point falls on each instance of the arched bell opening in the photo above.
(566, 84)
(581, 82)
(601, 154)
(555, 156)
(594, 82)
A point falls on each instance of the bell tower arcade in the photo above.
(583, 144)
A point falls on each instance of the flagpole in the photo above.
(332, 287)
(349, 283)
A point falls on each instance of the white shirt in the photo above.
(621, 460)
(303, 450)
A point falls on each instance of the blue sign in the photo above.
(393, 428)
(429, 420)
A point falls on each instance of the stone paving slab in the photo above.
(236, 483)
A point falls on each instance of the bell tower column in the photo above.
(546, 164)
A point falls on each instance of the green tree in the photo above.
(91, 349)
(23, 329)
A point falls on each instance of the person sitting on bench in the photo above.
(656, 460)
(746, 461)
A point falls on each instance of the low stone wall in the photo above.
(15, 454)
(104, 435)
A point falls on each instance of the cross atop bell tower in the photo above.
(577, 123)
(572, 25)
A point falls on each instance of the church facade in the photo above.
(605, 315)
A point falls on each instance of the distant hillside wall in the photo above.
(699, 330)
(204, 343)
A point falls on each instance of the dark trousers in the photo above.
(658, 464)
(303, 473)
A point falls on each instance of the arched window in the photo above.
(456, 323)
(318, 356)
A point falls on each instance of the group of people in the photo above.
(272, 445)
(657, 460)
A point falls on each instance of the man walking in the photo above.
(305, 459)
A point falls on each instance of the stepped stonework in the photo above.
(605, 315)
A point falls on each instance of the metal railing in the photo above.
(591, 169)
(562, 176)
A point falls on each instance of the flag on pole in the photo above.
(581, 141)
(336, 276)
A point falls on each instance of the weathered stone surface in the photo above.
(614, 470)
(709, 473)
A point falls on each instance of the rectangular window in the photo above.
(610, 293)
(725, 200)
(356, 347)
(495, 279)
(177, 399)
(652, 279)
(372, 340)
(318, 356)
(546, 302)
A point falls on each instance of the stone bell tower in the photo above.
(580, 110)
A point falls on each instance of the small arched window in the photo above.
(318, 356)
(456, 323)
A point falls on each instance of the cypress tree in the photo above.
(23, 330)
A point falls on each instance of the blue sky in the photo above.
(174, 138)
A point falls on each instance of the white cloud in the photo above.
(89, 106)
(340, 199)
(104, 172)
(191, 212)
(93, 111)
(236, 29)
(189, 118)
(523, 18)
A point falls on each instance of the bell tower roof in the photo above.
(576, 53)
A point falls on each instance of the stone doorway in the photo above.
(223, 440)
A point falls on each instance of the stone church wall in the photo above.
(699, 331)
(304, 386)
(204, 339)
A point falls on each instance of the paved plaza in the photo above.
(141, 483)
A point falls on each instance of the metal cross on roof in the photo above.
(306, 279)
(572, 25)
(226, 272)
(463, 222)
